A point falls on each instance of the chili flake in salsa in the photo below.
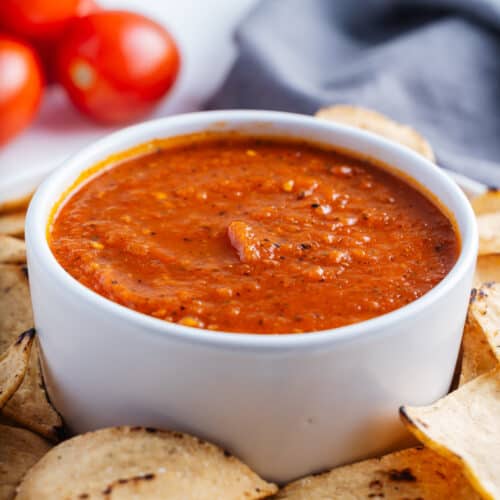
(261, 235)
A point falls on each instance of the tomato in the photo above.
(41, 20)
(116, 65)
(42, 23)
(21, 84)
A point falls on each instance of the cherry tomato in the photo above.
(41, 20)
(21, 84)
(116, 65)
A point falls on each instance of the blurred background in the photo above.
(432, 64)
(203, 33)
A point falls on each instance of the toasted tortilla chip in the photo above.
(413, 473)
(13, 365)
(477, 356)
(30, 406)
(486, 203)
(485, 312)
(12, 250)
(7, 421)
(377, 123)
(16, 205)
(464, 427)
(487, 269)
(12, 223)
(15, 304)
(489, 233)
(19, 450)
(120, 462)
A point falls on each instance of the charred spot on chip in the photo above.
(402, 412)
(107, 491)
(493, 189)
(83, 495)
(227, 454)
(376, 483)
(319, 474)
(402, 475)
(24, 269)
(151, 430)
(473, 295)
(60, 432)
(136, 428)
(28, 333)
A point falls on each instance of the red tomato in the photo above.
(43, 23)
(21, 84)
(115, 65)
(41, 20)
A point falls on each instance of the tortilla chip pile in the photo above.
(459, 459)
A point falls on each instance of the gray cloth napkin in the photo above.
(434, 64)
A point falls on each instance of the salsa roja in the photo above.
(249, 234)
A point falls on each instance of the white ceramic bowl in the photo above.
(288, 405)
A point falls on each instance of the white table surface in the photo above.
(203, 30)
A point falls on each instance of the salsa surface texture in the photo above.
(253, 235)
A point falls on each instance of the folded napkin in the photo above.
(433, 64)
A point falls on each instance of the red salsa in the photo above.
(260, 235)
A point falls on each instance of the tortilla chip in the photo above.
(413, 473)
(487, 269)
(7, 421)
(19, 451)
(485, 312)
(15, 304)
(13, 365)
(12, 250)
(16, 205)
(486, 203)
(377, 123)
(489, 233)
(477, 356)
(30, 406)
(464, 427)
(12, 224)
(119, 462)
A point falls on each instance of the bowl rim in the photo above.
(37, 243)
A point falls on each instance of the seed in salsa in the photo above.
(259, 235)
